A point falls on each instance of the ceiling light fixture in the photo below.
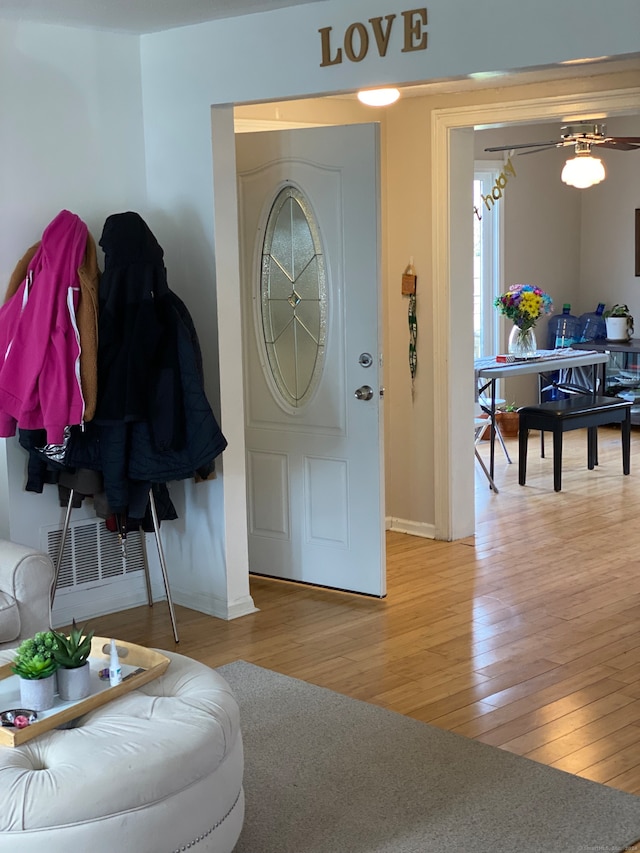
(378, 97)
(583, 170)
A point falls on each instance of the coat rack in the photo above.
(163, 564)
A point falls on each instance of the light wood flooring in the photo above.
(526, 636)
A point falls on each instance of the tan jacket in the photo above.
(86, 318)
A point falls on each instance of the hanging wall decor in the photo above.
(497, 191)
(409, 280)
(413, 334)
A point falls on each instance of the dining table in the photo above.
(489, 369)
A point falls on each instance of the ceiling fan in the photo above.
(583, 170)
(583, 135)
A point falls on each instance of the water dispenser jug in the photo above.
(563, 329)
(593, 326)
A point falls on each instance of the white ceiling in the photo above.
(135, 16)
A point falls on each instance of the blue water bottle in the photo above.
(563, 329)
(593, 326)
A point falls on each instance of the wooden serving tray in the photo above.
(139, 666)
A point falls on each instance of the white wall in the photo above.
(607, 268)
(71, 133)
(71, 136)
(463, 37)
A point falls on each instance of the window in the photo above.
(293, 298)
(486, 260)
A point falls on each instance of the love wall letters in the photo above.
(356, 41)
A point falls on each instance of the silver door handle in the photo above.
(364, 392)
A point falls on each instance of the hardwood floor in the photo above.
(525, 636)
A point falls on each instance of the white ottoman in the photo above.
(157, 771)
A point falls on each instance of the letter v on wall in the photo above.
(382, 35)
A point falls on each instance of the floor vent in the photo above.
(92, 553)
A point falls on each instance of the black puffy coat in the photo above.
(153, 421)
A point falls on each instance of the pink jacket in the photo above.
(39, 342)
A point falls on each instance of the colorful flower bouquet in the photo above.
(524, 303)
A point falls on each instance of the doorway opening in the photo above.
(448, 384)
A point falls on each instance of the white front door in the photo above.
(310, 272)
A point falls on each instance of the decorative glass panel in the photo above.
(293, 297)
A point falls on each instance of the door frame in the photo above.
(451, 161)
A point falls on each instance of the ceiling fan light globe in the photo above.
(583, 171)
(378, 97)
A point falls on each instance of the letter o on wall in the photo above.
(363, 38)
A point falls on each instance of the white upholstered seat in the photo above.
(155, 771)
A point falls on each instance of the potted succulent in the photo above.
(72, 657)
(35, 666)
(508, 419)
(619, 323)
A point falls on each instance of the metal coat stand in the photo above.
(163, 564)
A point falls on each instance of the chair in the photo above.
(26, 577)
(575, 412)
(567, 388)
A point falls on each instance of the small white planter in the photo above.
(74, 684)
(619, 328)
(37, 694)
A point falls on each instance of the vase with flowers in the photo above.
(524, 304)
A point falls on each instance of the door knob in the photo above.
(364, 392)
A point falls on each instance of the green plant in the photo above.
(35, 656)
(508, 407)
(618, 311)
(73, 650)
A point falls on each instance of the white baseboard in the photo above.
(415, 528)
(212, 605)
(124, 593)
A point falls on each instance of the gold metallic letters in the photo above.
(497, 191)
(357, 41)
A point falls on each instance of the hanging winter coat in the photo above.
(86, 317)
(133, 327)
(153, 421)
(40, 384)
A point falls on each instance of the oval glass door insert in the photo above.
(293, 293)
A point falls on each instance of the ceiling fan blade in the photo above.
(525, 145)
(618, 144)
(542, 148)
(634, 140)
